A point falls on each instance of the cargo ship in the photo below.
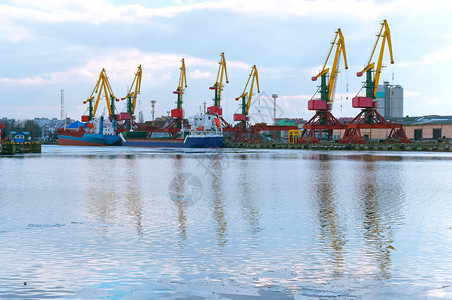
(95, 133)
(205, 131)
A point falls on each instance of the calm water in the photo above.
(101, 223)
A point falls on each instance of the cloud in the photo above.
(433, 102)
(197, 74)
(122, 64)
(103, 11)
(436, 57)
(410, 94)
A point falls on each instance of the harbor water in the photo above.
(134, 223)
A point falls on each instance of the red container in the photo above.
(85, 118)
(177, 113)
(239, 117)
(362, 102)
(375, 104)
(316, 105)
(215, 110)
(124, 116)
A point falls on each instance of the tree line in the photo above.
(30, 126)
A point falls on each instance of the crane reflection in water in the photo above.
(377, 203)
(217, 181)
(184, 190)
(134, 202)
(331, 225)
(102, 203)
(250, 211)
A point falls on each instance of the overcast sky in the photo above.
(49, 46)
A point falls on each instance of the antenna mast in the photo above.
(153, 109)
(62, 104)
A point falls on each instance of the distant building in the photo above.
(290, 122)
(390, 100)
(416, 129)
(49, 126)
(426, 127)
(345, 120)
(48, 132)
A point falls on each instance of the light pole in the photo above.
(274, 96)
(153, 109)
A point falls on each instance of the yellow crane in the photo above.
(132, 95)
(243, 132)
(182, 85)
(322, 124)
(372, 84)
(178, 113)
(134, 90)
(102, 87)
(218, 86)
(327, 90)
(253, 78)
(369, 117)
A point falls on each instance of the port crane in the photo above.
(242, 132)
(177, 114)
(322, 124)
(218, 87)
(128, 116)
(134, 90)
(102, 87)
(369, 118)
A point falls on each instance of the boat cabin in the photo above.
(20, 136)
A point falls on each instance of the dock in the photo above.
(10, 148)
(324, 145)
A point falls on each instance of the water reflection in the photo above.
(250, 211)
(217, 183)
(134, 202)
(101, 201)
(331, 226)
(377, 223)
(178, 187)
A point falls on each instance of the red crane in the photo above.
(369, 118)
(322, 124)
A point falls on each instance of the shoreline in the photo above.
(415, 146)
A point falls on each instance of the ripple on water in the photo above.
(101, 223)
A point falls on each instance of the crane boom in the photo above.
(182, 85)
(178, 113)
(327, 91)
(253, 77)
(218, 86)
(372, 85)
(102, 86)
(134, 91)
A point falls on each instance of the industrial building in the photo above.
(416, 128)
(390, 100)
(427, 127)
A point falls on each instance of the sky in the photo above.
(49, 46)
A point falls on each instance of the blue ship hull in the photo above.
(189, 142)
(89, 139)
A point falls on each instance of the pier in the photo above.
(9, 148)
(326, 145)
